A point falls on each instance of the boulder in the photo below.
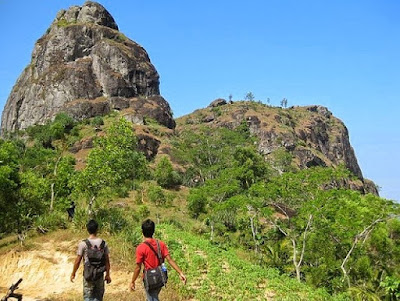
(217, 103)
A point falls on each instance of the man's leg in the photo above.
(152, 295)
(88, 289)
(98, 289)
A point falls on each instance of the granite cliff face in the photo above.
(312, 135)
(84, 66)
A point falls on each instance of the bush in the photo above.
(165, 175)
(51, 221)
(111, 220)
(45, 134)
(132, 237)
(174, 222)
(97, 121)
(156, 195)
(197, 202)
(143, 212)
(80, 219)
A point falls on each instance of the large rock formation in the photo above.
(311, 134)
(84, 66)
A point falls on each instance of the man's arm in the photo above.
(76, 267)
(176, 268)
(108, 277)
(135, 275)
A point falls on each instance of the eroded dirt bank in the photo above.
(46, 270)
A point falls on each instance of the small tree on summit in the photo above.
(284, 103)
(249, 96)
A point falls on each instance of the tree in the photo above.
(44, 135)
(284, 103)
(61, 181)
(208, 151)
(9, 185)
(297, 199)
(251, 166)
(281, 161)
(165, 175)
(113, 161)
(156, 195)
(197, 202)
(249, 96)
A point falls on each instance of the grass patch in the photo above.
(218, 274)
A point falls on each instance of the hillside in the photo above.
(225, 210)
(311, 134)
(213, 274)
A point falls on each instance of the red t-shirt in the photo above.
(145, 255)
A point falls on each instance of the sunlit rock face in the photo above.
(85, 67)
(310, 134)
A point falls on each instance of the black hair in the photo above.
(148, 228)
(92, 226)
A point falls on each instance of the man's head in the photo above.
(148, 228)
(92, 226)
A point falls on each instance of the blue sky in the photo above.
(344, 55)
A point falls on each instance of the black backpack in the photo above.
(96, 265)
(155, 278)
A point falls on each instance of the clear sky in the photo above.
(342, 54)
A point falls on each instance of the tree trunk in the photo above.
(212, 231)
(52, 184)
(362, 235)
(254, 232)
(90, 208)
(295, 263)
(52, 197)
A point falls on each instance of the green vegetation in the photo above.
(165, 175)
(221, 274)
(112, 164)
(64, 23)
(121, 38)
(242, 226)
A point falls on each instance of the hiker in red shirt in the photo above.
(146, 253)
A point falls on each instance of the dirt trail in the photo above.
(46, 270)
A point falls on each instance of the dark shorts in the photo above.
(152, 295)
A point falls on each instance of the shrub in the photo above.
(174, 222)
(80, 219)
(143, 212)
(131, 236)
(51, 221)
(156, 195)
(111, 220)
(197, 202)
(97, 121)
(165, 175)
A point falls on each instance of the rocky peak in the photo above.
(85, 67)
(311, 134)
(90, 12)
